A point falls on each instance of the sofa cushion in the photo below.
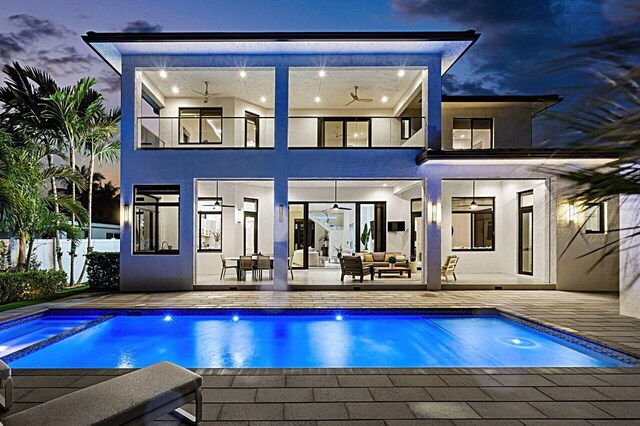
(368, 257)
(378, 256)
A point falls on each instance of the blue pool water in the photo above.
(311, 340)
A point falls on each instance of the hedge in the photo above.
(103, 270)
(18, 286)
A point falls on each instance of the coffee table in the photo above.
(396, 270)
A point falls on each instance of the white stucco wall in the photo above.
(630, 257)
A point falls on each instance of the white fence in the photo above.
(44, 252)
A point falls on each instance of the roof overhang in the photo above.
(451, 45)
(538, 103)
(533, 156)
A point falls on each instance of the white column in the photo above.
(432, 104)
(433, 252)
(280, 181)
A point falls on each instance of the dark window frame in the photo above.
(472, 119)
(250, 116)
(601, 223)
(255, 226)
(201, 213)
(414, 232)
(473, 234)
(155, 188)
(200, 110)
(521, 211)
(344, 120)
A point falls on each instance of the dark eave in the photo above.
(502, 98)
(514, 154)
(93, 37)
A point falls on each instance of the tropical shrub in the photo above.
(103, 270)
(17, 286)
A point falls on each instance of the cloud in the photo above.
(65, 60)
(32, 28)
(8, 47)
(451, 85)
(141, 26)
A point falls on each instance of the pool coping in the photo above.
(564, 333)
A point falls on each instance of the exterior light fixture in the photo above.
(434, 212)
(474, 205)
(239, 215)
(384, 99)
(263, 99)
(322, 73)
(175, 89)
(243, 74)
(401, 73)
(572, 212)
(317, 99)
(163, 74)
(125, 214)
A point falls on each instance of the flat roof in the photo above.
(540, 154)
(539, 103)
(450, 44)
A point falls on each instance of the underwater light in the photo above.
(338, 317)
(168, 318)
(235, 318)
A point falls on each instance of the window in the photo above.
(250, 207)
(113, 235)
(157, 218)
(405, 128)
(595, 217)
(472, 223)
(210, 224)
(251, 130)
(200, 125)
(344, 132)
(472, 133)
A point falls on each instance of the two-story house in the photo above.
(307, 147)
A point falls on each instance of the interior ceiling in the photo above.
(334, 87)
(305, 85)
(349, 183)
(258, 82)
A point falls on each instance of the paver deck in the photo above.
(446, 396)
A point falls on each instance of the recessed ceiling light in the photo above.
(243, 74)
(384, 184)
(401, 73)
(384, 99)
(322, 73)
(355, 135)
(263, 99)
(317, 99)
(163, 74)
(175, 89)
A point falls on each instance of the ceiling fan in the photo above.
(356, 98)
(206, 93)
(218, 204)
(335, 206)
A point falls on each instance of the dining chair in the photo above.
(246, 264)
(225, 267)
(263, 263)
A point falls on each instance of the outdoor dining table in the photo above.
(236, 259)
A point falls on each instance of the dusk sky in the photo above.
(517, 36)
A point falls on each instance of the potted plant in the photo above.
(338, 250)
(365, 236)
(217, 236)
(392, 261)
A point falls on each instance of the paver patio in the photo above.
(393, 396)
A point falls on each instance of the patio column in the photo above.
(432, 104)
(433, 246)
(280, 180)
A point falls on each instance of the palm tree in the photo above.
(74, 111)
(23, 98)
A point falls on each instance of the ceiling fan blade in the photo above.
(365, 100)
(344, 208)
(349, 103)
(199, 93)
(228, 206)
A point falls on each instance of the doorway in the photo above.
(250, 225)
(525, 232)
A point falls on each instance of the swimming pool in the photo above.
(302, 339)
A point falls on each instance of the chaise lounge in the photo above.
(139, 397)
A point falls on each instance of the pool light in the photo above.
(516, 341)
(167, 318)
(235, 318)
(338, 317)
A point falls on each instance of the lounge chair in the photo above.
(6, 386)
(449, 268)
(139, 397)
(353, 265)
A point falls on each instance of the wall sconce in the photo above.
(434, 212)
(280, 213)
(239, 215)
(126, 209)
(572, 212)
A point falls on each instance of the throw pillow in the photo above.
(401, 258)
(368, 257)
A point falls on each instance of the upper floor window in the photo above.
(200, 125)
(251, 130)
(472, 223)
(595, 215)
(472, 133)
(157, 217)
(338, 132)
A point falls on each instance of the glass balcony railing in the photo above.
(356, 132)
(205, 132)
